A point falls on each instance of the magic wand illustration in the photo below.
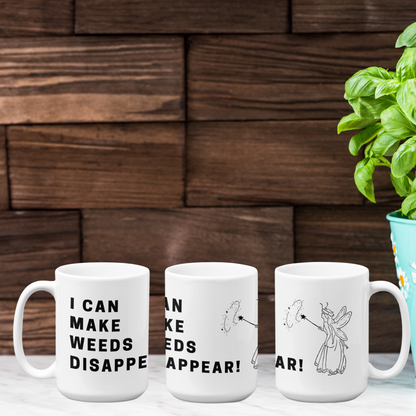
(306, 319)
(241, 318)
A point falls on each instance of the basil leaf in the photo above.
(412, 215)
(404, 159)
(413, 187)
(364, 83)
(408, 37)
(353, 122)
(361, 110)
(385, 144)
(387, 87)
(363, 137)
(409, 204)
(396, 123)
(401, 185)
(363, 177)
(368, 150)
(405, 67)
(406, 98)
(390, 151)
(370, 107)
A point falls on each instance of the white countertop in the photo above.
(23, 395)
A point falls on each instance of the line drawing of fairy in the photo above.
(331, 357)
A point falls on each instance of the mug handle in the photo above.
(47, 286)
(381, 286)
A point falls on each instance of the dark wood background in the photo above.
(158, 132)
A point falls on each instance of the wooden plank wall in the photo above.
(158, 132)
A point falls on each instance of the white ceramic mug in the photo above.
(211, 331)
(102, 319)
(322, 331)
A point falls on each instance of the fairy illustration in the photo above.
(331, 357)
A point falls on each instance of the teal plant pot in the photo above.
(403, 239)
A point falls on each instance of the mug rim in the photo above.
(211, 270)
(102, 270)
(322, 270)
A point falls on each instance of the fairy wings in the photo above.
(340, 321)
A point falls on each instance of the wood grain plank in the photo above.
(4, 181)
(96, 166)
(260, 237)
(352, 15)
(36, 17)
(266, 325)
(39, 326)
(186, 16)
(385, 325)
(346, 234)
(91, 79)
(276, 77)
(269, 162)
(33, 244)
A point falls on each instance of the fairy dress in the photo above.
(331, 357)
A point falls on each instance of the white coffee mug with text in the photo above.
(322, 336)
(102, 315)
(211, 331)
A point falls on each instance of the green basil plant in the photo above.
(384, 104)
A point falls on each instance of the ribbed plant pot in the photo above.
(403, 239)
